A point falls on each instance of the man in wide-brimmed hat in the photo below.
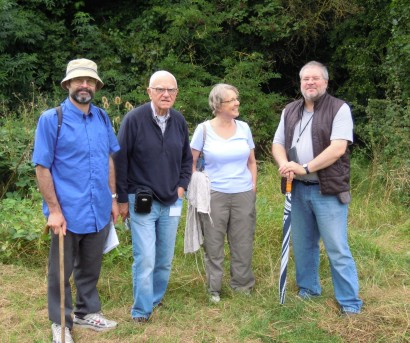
(76, 177)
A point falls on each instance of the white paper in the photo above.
(111, 241)
(176, 209)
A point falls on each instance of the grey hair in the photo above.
(217, 94)
(161, 73)
(325, 73)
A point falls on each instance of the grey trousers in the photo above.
(233, 215)
(82, 258)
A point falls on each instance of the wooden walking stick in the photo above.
(62, 288)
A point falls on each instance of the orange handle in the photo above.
(288, 186)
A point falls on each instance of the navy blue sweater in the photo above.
(148, 158)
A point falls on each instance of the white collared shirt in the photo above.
(160, 120)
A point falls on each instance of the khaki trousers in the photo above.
(234, 216)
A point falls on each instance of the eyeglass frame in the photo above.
(80, 80)
(160, 90)
(313, 79)
(231, 100)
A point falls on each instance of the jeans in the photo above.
(153, 242)
(316, 216)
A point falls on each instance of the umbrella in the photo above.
(285, 242)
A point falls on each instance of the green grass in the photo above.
(379, 236)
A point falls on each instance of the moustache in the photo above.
(84, 90)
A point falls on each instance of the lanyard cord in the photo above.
(300, 126)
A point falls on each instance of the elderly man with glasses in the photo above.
(154, 169)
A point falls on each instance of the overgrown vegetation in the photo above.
(379, 234)
(259, 46)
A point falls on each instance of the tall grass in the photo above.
(379, 238)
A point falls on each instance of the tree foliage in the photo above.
(259, 46)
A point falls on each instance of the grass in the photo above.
(379, 235)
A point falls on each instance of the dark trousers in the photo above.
(82, 258)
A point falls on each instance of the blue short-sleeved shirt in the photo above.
(79, 164)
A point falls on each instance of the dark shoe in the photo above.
(348, 313)
(304, 294)
(140, 320)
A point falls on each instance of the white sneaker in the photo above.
(214, 298)
(94, 321)
(56, 330)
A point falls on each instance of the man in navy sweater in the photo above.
(155, 158)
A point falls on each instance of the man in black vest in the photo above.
(311, 148)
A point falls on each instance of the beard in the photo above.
(315, 97)
(82, 99)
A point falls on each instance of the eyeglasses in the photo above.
(231, 100)
(314, 79)
(80, 80)
(159, 90)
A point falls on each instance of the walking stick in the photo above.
(62, 290)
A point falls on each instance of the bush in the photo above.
(21, 228)
(386, 139)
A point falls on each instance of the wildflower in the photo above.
(128, 106)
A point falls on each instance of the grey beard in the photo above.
(313, 98)
(84, 100)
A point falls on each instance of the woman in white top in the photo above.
(231, 166)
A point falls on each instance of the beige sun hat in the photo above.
(81, 68)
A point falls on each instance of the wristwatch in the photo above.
(306, 168)
(114, 196)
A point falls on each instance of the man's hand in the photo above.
(181, 192)
(123, 210)
(114, 210)
(290, 169)
(56, 222)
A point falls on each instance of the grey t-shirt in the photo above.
(342, 128)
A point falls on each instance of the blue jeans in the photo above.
(153, 242)
(316, 216)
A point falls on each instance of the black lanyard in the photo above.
(300, 126)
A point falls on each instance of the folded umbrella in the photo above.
(285, 242)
